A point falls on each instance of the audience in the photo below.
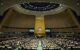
(30, 42)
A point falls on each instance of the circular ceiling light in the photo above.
(39, 6)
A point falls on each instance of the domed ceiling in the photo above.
(73, 4)
(39, 6)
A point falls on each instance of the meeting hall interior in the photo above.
(39, 24)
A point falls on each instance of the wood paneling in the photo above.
(19, 20)
(60, 20)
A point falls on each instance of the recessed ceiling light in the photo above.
(78, 4)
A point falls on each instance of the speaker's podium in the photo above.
(39, 26)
